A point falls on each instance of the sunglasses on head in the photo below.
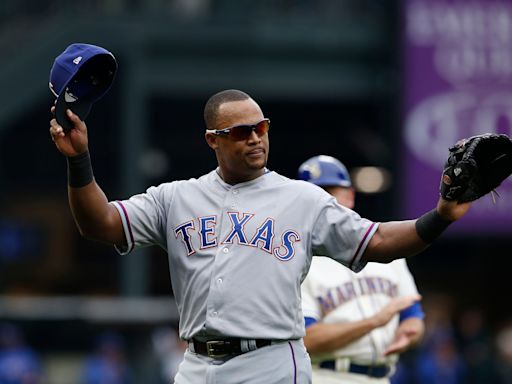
(243, 132)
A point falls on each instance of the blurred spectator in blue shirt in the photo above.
(108, 365)
(19, 364)
(476, 346)
(439, 362)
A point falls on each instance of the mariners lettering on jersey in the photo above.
(368, 285)
(263, 238)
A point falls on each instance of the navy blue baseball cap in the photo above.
(325, 171)
(80, 75)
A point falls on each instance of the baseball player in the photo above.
(240, 241)
(356, 323)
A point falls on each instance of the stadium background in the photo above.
(331, 77)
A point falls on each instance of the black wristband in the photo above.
(80, 170)
(430, 226)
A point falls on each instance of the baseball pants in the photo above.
(280, 363)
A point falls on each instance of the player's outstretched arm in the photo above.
(327, 337)
(399, 239)
(94, 216)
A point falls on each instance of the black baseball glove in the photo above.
(476, 166)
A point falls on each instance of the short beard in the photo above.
(257, 167)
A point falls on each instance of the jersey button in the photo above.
(214, 314)
(219, 280)
(235, 191)
(225, 250)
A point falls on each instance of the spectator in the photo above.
(440, 362)
(108, 364)
(19, 364)
(357, 325)
(476, 346)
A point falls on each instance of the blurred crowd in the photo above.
(108, 361)
(457, 349)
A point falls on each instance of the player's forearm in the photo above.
(394, 240)
(94, 216)
(323, 338)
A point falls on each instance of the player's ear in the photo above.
(212, 140)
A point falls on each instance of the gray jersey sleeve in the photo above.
(341, 234)
(144, 217)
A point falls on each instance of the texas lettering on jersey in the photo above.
(263, 238)
(368, 285)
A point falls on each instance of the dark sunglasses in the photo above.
(242, 132)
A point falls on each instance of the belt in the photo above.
(377, 371)
(227, 347)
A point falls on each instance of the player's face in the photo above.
(239, 160)
(344, 196)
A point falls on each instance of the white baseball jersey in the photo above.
(238, 253)
(332, 293)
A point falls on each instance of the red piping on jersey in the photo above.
(360, 245)
(129, 226)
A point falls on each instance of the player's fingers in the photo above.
(415, 298)
(410, 300)
(410, 332)
(56, 130)
(397, 346)
(52, 110)
(403, 302)
(74, 118)
(78, 124)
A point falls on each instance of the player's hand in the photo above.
(401, 342)
(393, 307)
(73, 142)
(452, 210)
(407, 334)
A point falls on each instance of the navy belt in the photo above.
(225, 347)
(376, 371)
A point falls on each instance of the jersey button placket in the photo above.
(217, 283)
(234, 201)
(217, 286)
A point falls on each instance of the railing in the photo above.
(90, 309)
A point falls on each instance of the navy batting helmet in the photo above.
(325, 171)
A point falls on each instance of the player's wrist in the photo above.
(377, 320)
(431, 225)
(80, 171)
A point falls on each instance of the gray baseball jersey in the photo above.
(238, 253)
